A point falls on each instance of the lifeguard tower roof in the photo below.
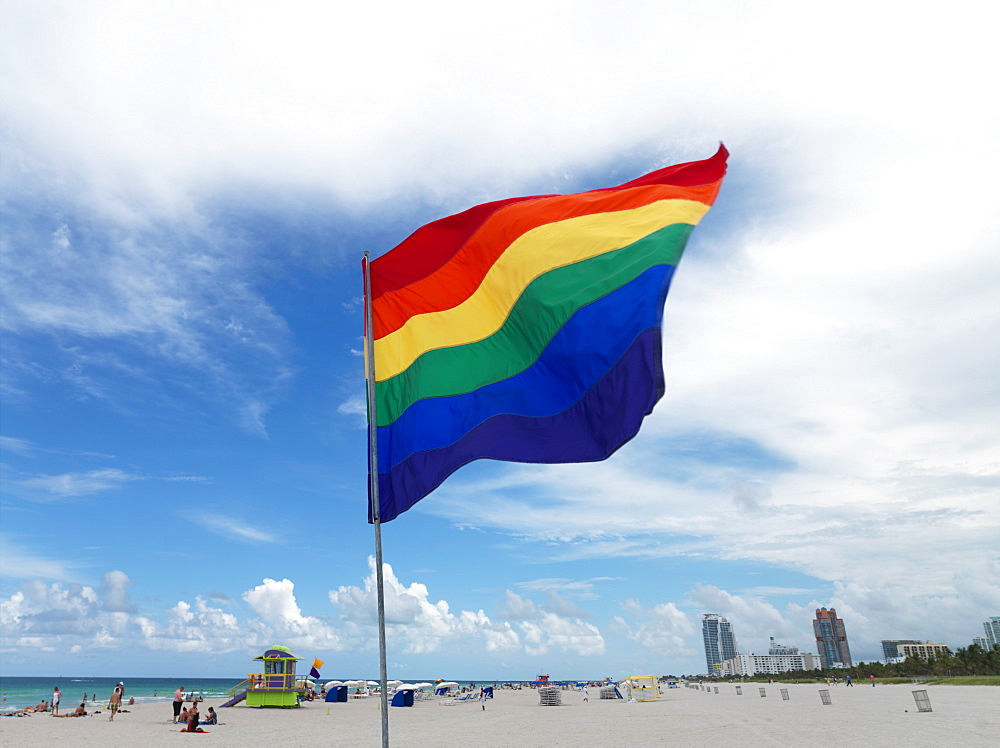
(277, 652)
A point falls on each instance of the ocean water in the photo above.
(19, 692)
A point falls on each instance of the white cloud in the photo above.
(274, 602)
(556, 633)
(71, 485)
(663, 629)
(227, 526)
(19, 562)
(419, 625)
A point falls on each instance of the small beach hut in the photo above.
(277, 686)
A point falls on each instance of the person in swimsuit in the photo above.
(178, 703)
(114, 704)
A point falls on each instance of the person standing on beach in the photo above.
(178, 702)
(482, 698)
(114, 703)
(872, 676)
(586, 695)
(57, 694)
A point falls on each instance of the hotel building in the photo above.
(831, 639)
(924, 650)
(720, 642)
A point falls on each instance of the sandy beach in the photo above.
(884, 715)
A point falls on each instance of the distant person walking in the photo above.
(482, 698)
(847, 680)
(872, 676)
(178, 703)
(56, 695)
(586, 695)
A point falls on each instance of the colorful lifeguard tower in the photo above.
(278, 686)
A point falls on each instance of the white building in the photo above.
(992, 627)
(752, 664)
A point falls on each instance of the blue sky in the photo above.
(188, 189)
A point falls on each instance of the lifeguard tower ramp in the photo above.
(642, 687)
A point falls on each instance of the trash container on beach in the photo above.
(923, 701)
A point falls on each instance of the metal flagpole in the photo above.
(373, 492)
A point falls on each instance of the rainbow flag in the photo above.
(526, 329)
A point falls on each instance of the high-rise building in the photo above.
(720, 642)
(831, 639)
(891, 650)
(992, 627)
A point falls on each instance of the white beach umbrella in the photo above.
(447, 684)
(421, 685)
(373, 683)
(333, 683)
(393, 682)
(353, 683)
(406, 687)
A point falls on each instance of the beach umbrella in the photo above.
(333, 683)
(353, 683)
(373, 683)
(421, 685)
(406, 687)
(393, 682)
(447, 684)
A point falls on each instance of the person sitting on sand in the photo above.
(193, 720)
(211, 718)
(43, 706)
(182, 718)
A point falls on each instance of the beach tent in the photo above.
(337, 693)
(403, 698)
